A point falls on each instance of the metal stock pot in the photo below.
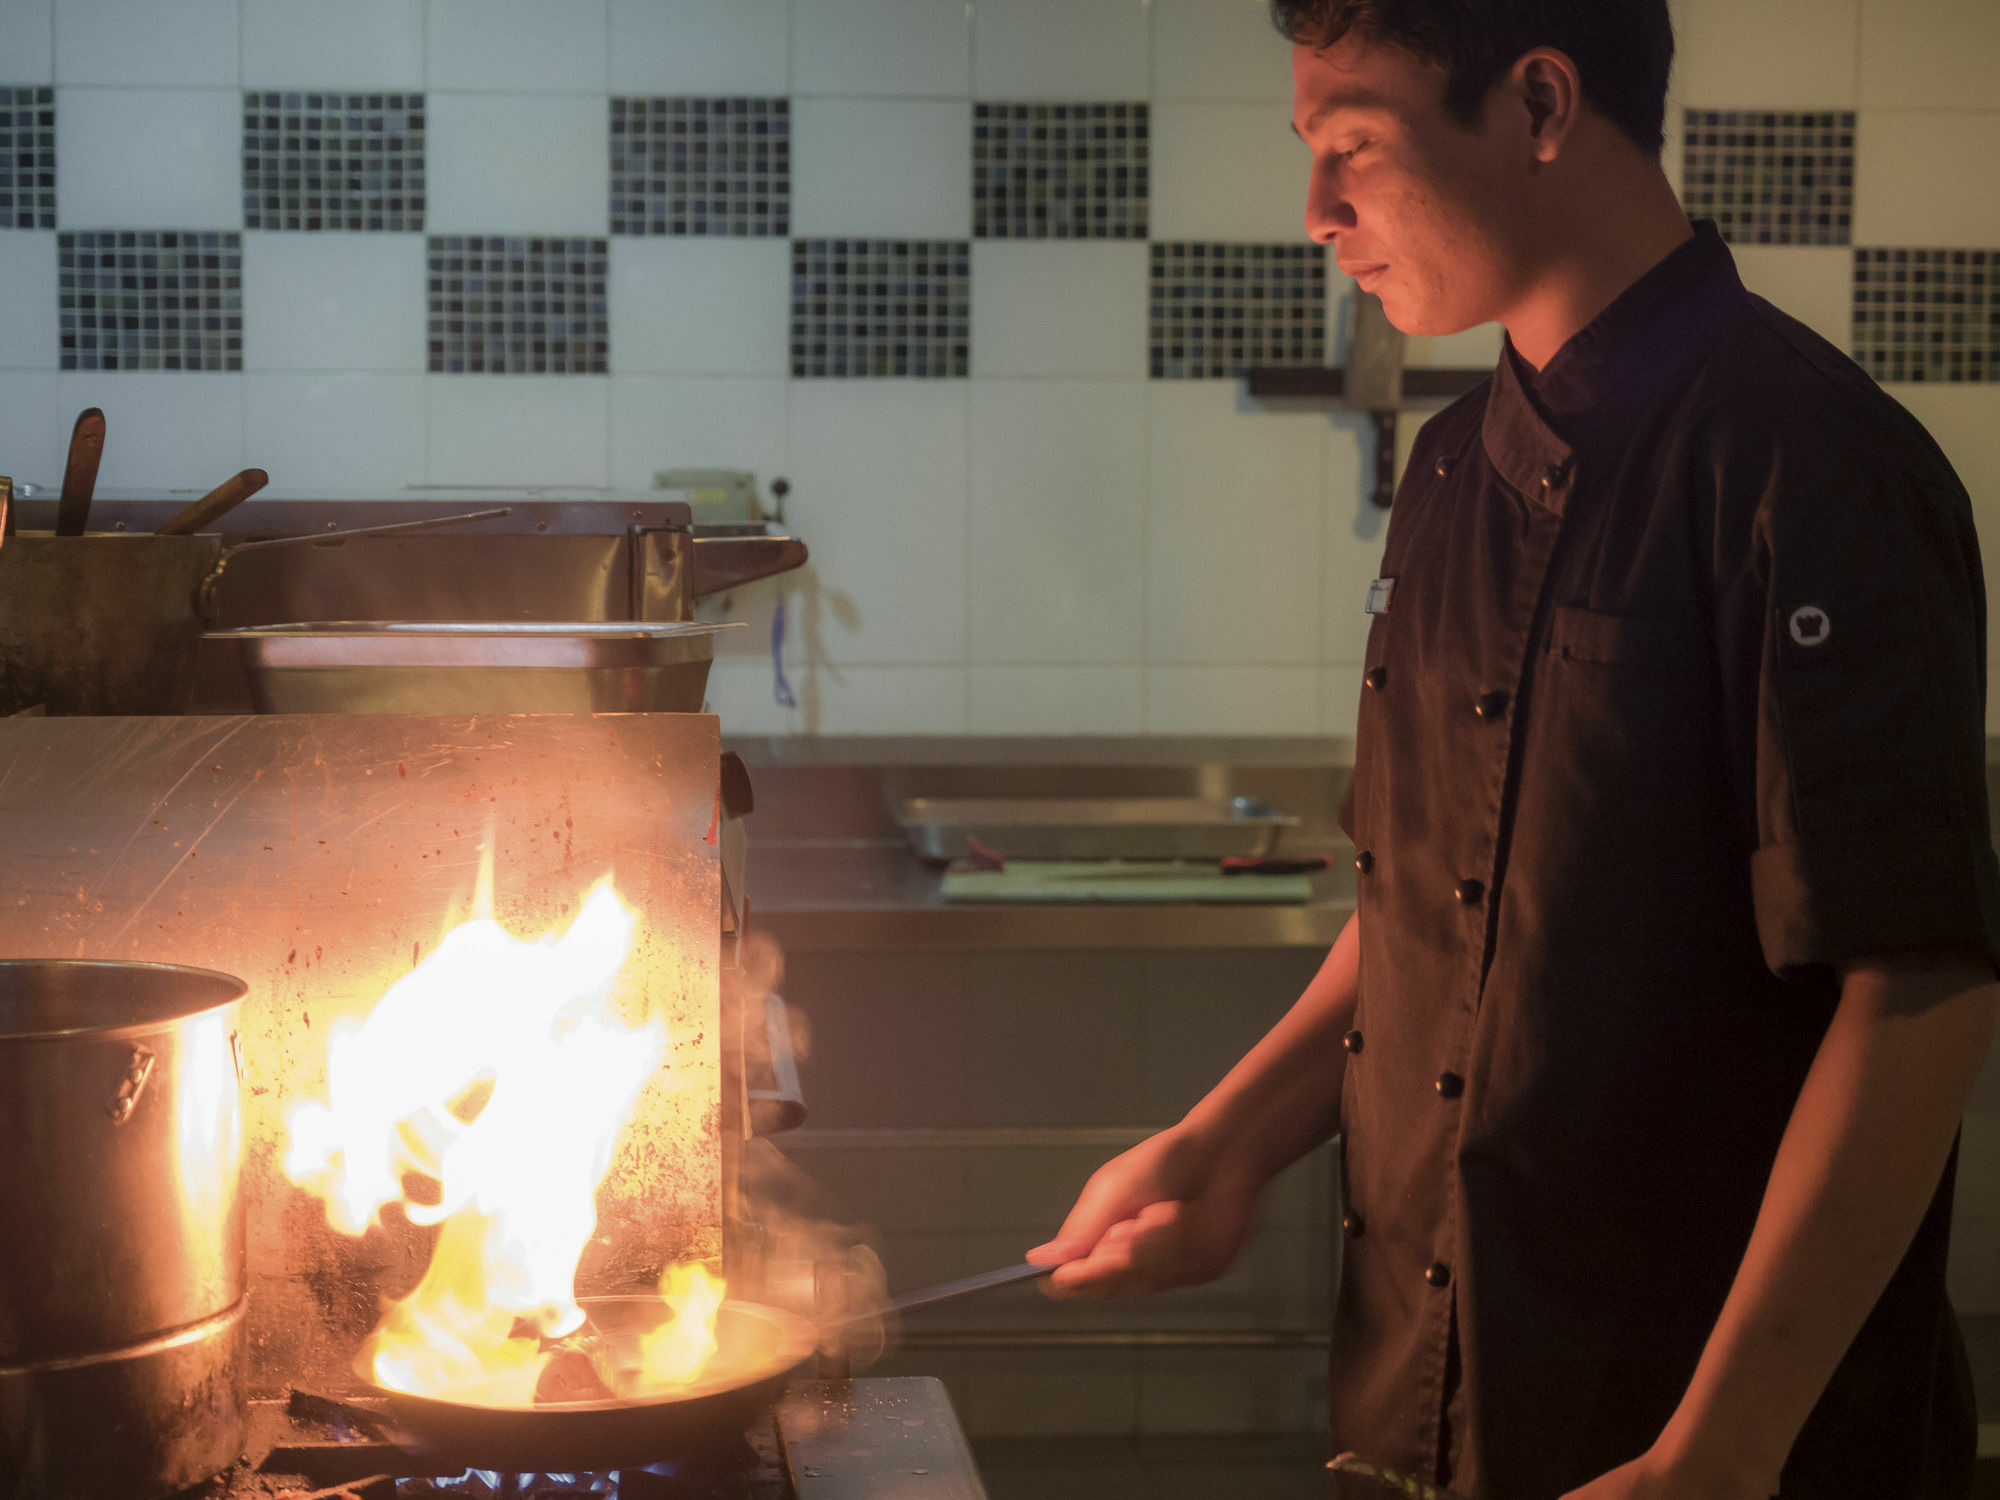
(122, 1256)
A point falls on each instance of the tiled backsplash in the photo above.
(977, 278)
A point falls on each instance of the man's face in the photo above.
(1420, 210)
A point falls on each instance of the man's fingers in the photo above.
(1134, 1255)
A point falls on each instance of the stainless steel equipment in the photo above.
(110, 623)
(122, 1268)
(1097, 828)
(367, 666)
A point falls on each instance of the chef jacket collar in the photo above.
(1627, 349)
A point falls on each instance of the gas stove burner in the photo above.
(735, 1469)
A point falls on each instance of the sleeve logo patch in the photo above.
(1378, 595)
(1810, 626)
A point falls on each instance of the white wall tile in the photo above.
(1930, 54)
(334, 302)
(1355, 529)
(518, 429)
(34, 427)
(162, 429)
(1339, 700)
(28, 326)
(27, 41)
(329, 434)
(1058, 307)
(1219, 49)
(681, 422)
(1232, 700)
(1766, 54)
(522, 46)
(518, 164)
(886, 47)
(1235, 504)
(1927, 177)
(1061, 49)
(156, 43)
(741, 693)
(333, 44)
(1058, 521)
(1056, 700)
(712, 47)
(897, 168)
(879, 493)
(1815, 284)
(682, 305)
(882, 700)
(149, 158)
(1227, 172)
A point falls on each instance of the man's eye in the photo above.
(1355, 150)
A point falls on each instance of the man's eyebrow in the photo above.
(1339, 104)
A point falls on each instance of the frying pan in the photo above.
(758, 1349)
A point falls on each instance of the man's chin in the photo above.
(1418, 321)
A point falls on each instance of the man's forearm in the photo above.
(1283, 1098)
(1860, 1160)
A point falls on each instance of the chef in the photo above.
(1675, 945)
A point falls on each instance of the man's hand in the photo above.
(1164, 1214)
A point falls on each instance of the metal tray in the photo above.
(1093, 827)
(509, 667)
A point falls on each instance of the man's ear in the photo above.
(1550, 91)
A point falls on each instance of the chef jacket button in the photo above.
(1468, 892)
(1443, 465)
(1353, 1225)
(1377, 678)
(1491, 706)
(1554, 475)
(1438, 1274)
(1352, 1041)
(1450, 1085)
(1364, 861)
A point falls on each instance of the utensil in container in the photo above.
(216, 504)
(122, 1265)
(86, 450)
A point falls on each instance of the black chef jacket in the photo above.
(1674, 702)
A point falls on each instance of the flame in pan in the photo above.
(485, 1094)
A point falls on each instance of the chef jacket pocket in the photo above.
(1579, 634)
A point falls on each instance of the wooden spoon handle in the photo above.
(86, 449)
(217, 503)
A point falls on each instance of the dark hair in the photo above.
(1623, 49)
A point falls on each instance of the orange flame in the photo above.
(495, 1075)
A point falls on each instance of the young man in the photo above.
(1674, 956)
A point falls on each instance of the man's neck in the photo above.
(1603, 242)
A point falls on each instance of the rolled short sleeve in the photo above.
(1867, 628)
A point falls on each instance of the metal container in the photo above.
(494, 667)
(940, 828)
(122, 1266)
(105, 624)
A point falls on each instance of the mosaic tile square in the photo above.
(519, 305)
(1060, 171)
(1771, 177)
(1927, 314)
(27, 157)
(333, 161)
(881, 307)
(150, 299)
(1217, 310)
(701, 166)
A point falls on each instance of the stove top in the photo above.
(826, 1440)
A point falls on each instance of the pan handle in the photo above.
(205, 594)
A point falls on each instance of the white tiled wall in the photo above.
(1055, 544)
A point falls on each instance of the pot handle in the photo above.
(131, 1084)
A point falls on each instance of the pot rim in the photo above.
(180, 1017)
